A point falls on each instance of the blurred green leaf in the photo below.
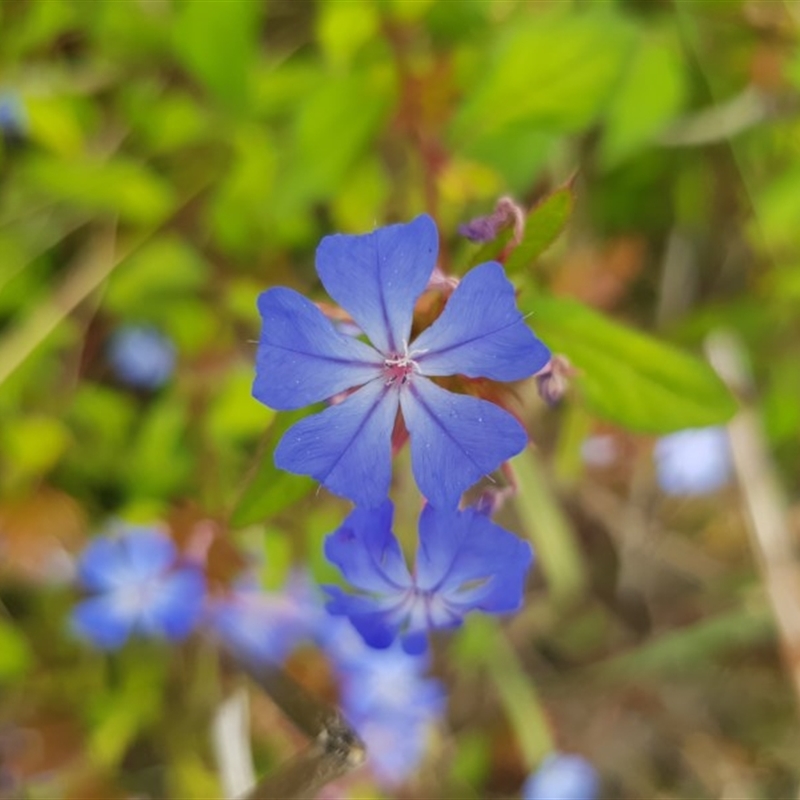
(778, 207)
(119, 715)
(490, 251)
(14, 257)
(270, 490)
(167, 122)
(217, 42)
(163, 268)
(519, 152)
(54, 124)
(191, 322)
(159, 459)
(555, 71)
(101, 420)
(543, 225)
(362, 198)
(546, 526)
(235, 414)
(651, 94)
(241, 209)
(681, 651)
(626, 376)
(34, 444)
(342, 28)
(518, 695)
(15, 653)
(119, 186)
(353, 106)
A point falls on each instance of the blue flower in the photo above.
(141, 356)
(464, 562)
(562, 777)
(694, 461)
(303, 359)
(139, 586)
(389, 700)
(262, 627)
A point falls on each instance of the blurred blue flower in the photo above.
(388, 699)
(562, 777)
(303, 359)
(264, 627)
(464, 562)
(692, 462)
(138, 585)
(141, 356)
(385, 695)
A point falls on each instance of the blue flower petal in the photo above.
(175, 609)
(378, 277)
(375, 623)
(470, 561)
(346, 447)
(367, 553)
(302, 358)
(101, 621)
(562, 777)
(147, 553)
(455, 439)
(98, 569)
(480, 333)
(259, 627)
(415, 643)
(139, 553)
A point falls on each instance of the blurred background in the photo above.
(162, 162)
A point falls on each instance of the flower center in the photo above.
(399, 368)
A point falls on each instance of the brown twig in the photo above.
(335, 748)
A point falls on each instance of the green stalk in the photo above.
(548, 529)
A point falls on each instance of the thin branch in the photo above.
(335, 749)
(766, 504)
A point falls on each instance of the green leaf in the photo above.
(518, 152)
(687, 649)
(119, 186)
(490, 251)
(555, 72)
(548, 529)
(650, 96)
(544, 224)
(217, 42)
(270, 490)
(628, 377)
(518, 696)
(35, 443)
(161, 270)
(354, 106)
(15, 653)
(53, 123)
(159, 461)
(235, 415)
(343, 28)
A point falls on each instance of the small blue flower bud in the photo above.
(562, 777)
(141, 356)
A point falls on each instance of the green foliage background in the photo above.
(180, 157)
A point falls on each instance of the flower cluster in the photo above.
(382, 379)
(379, 393)
(139, 584)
